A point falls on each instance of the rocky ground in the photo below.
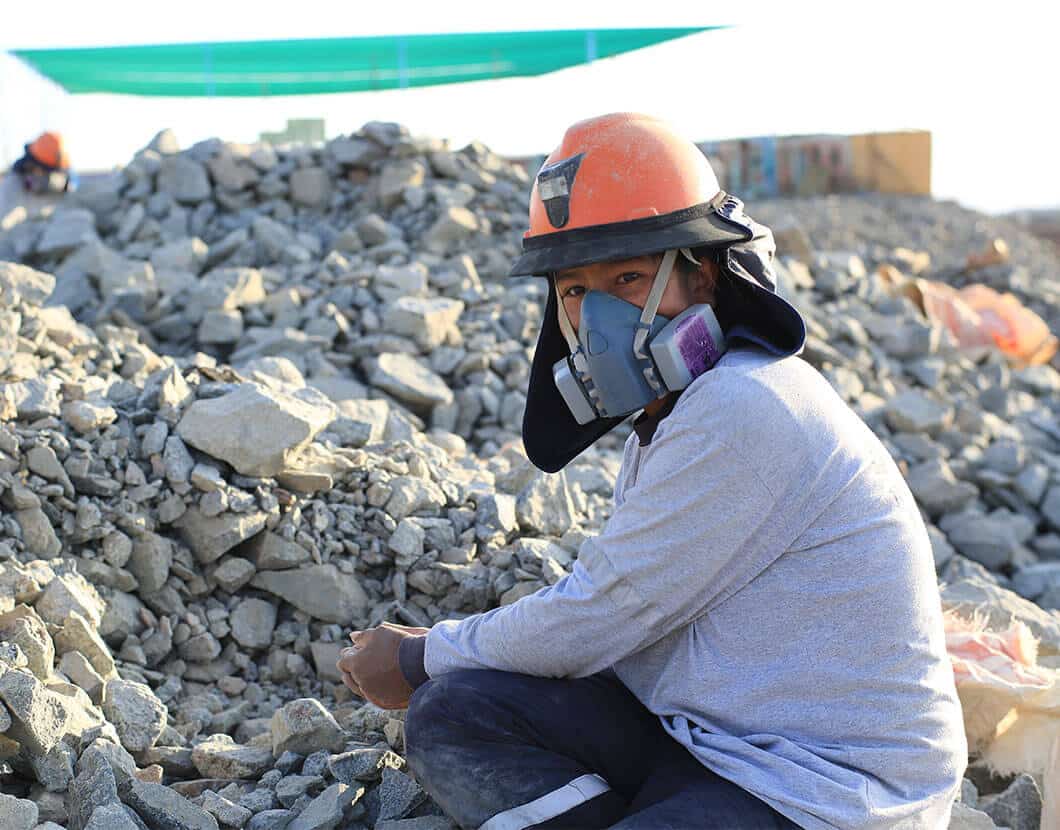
(254, 398)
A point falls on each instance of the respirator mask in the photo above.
(623, 357)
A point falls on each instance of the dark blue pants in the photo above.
(502, 750)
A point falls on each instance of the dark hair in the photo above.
(731, 300)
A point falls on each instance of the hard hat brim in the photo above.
(699, 225)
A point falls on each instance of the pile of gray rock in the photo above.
(354, 261)
(251, 399)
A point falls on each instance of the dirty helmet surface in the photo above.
(621, 186)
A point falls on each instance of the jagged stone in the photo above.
(164, 809)
(326, 811)
(111, 817)
(254, 431)
(211, 537)
(253, 621)
(184, 179)
(270, 552)
(152, 556)
(304, 726)
(17, 813)
(226, 812)
(322, 591)
(38, 535)
(23, 628)
(78, 635)
(221, 757)
(136, 713)
(408, 380)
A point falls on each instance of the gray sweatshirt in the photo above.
(765, 585)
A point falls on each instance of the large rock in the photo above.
(37, 533)
(221, 757)
(164, 809)
(545, 506)
(1019, 807)
(94, 786)
(136, 713)
(410, 494)
(304, 726)
(396, 177)
(69, 228)
(916, 412)
(184, 179)
(185, 255)
(271, 552)
(151, 558)
(968, 818)
(33, 398)
(226, 812)
(254, 430)
(111, 817)
(326, 811)
(427, 321)
(211, 537)
(399, 795)
(937, 489)
(408, 380)
(454, 225)
(70, 593)
(322, 591)
(253, 622)
(989, 540)
(17, 813)
(78, 635)
(393, 281)
(22, 283)
(23, 627)
(311, 186)
(40, 718)
(229, 288)
(86, 416)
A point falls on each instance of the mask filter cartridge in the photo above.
(689, 345)
(573, 392)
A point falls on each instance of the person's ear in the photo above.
(703, 280)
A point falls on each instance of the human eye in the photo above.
(573, 291)
(629, 277)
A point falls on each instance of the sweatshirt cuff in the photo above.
(410, 660)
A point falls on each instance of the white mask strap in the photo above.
(565, 326)
(651, 306)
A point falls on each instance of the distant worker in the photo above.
(40, 178)
(755, 638)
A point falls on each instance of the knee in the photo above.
(441, 711)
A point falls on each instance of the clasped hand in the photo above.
(370, 669)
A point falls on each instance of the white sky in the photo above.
(980, 76)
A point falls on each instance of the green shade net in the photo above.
(358, 64)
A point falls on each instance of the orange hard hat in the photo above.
(618, 186)
(48, 151)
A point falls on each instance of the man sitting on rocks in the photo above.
(755, 639)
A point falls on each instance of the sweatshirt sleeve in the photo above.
(692, 530)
